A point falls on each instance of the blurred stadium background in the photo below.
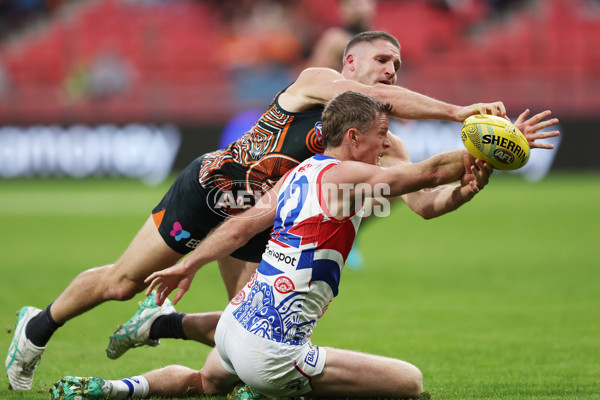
(138, 88)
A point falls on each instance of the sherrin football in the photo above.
(496, 141)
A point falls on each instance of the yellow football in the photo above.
(496, 141)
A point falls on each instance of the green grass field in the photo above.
(498, 300)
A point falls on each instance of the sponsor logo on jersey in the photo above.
(319, 130)
(252, 279)
(314, 140)
(281, 257)
(283, 285)
(178, 232)
(304, 167)
(312, 356)
(192, 243)
(237, 300)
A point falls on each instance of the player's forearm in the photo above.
(412, 105)
(443, 168)
(221, 242)
(432, 203)
(438, 170)
(447, 199)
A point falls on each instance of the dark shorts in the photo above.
(185, 216)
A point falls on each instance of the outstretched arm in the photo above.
(424, 186)
(432, 203)
(222, 241)
(317, 86)
(402, 176)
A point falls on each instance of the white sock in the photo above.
(135, 387)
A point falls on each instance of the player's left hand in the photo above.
(495, 108)
(531, 127)
(476, 177)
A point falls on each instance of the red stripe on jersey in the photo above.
(320, 193)
(327, 234)
(322, 201)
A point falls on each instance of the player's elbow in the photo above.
(237, 235)
(426, 215)
(239, 231)
(424, 207)
(425, 212)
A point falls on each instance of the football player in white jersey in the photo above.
(263, 336)
(371, 64)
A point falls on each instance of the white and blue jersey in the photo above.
(300, 270)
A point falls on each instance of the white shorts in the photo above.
(274, 369)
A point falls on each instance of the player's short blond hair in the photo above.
(348, 110)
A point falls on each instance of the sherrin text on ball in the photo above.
(495, 140)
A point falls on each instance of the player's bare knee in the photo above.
(125, 290)
(214, 383)
(102, 282)
(122, 288)
(194, 384)
(210, 384)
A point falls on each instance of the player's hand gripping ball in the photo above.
(496, 141)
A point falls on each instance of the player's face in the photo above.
(375, 62)
(374, 142)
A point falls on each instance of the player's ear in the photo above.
(353, 136)
(349, 62)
